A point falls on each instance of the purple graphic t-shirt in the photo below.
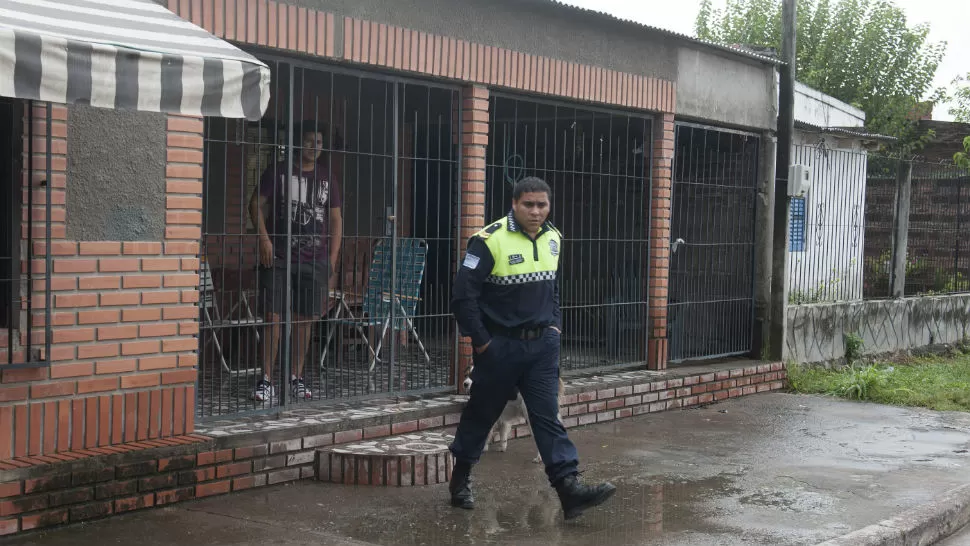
(310, 195)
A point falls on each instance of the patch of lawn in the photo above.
(937, 383)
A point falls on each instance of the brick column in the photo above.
(124, 319)
(660, 205)
(474, 142)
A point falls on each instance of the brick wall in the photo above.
(124, 316)
(89, 485)
(474, 141)
(660, 214)
(308, 31)
(478, 66)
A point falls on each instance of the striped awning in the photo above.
(125, 54)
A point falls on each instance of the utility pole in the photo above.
(786, 127)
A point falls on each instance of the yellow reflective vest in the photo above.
(509, 280)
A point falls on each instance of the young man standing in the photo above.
(309, 200)
(507, 300)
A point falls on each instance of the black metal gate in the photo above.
(711, 287)
(597, 163)
(381, 165)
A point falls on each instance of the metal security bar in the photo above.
(879, 225)
(938, 249)
(843, 232)
(354, 177)
(597, 163)
(826, 239)
(938, 252)
(711, 288)
(25, 285)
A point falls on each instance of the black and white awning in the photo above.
(125, 54)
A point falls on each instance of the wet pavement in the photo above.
(960, 538)
(766, 469)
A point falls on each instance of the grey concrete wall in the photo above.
(816, 332)
(712, 86)
(115, 175)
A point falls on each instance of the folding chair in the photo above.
(212, 318)
(412, 257)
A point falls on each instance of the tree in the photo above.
(962, 159)
(861, 52)
(960, 110)
(960, 99)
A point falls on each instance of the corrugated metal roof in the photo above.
(705, 43)
(844, 131)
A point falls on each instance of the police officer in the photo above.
(507, 300)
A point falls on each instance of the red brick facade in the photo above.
(81, 486)
(124, 363)
(660, 211)
(124, 316)
(474, 142)
(125, 325)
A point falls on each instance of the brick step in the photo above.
(392, 443)
(400, 461)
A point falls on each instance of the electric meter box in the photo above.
(799, 180)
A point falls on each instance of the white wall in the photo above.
(821, 110)
(830, 266)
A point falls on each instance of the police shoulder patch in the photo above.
(471, 261)
(485, 233)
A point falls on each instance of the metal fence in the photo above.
(844, 232)
(382, 168)
(25, 232)
(597, 163)
(826, 229)
(938, 242)
(711, 291)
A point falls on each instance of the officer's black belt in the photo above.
(525, 334)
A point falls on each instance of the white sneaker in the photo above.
(264, 391)
(298, 389)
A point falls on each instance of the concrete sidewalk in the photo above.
(767, 469)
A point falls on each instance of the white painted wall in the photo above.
(822, 110)
(830, 266)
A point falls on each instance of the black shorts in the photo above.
(308, 289)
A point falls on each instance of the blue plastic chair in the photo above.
(409, 265)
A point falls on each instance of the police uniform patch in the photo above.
(553, 247)
(471, 261)
(515, 259)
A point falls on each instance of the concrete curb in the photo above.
(922, 526)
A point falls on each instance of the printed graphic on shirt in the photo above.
(308, 210)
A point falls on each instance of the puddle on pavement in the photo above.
(519, 514)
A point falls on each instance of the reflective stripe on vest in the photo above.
(515, 256)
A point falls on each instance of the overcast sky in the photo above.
(945, 18)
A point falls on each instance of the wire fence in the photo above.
(846, 231)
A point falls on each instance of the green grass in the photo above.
(938, 383)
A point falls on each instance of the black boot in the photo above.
(577, 497)
(461, 486)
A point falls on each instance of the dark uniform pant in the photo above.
(532, 366)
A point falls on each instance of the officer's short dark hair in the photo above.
(531, 184)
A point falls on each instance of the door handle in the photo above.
(676, 244)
